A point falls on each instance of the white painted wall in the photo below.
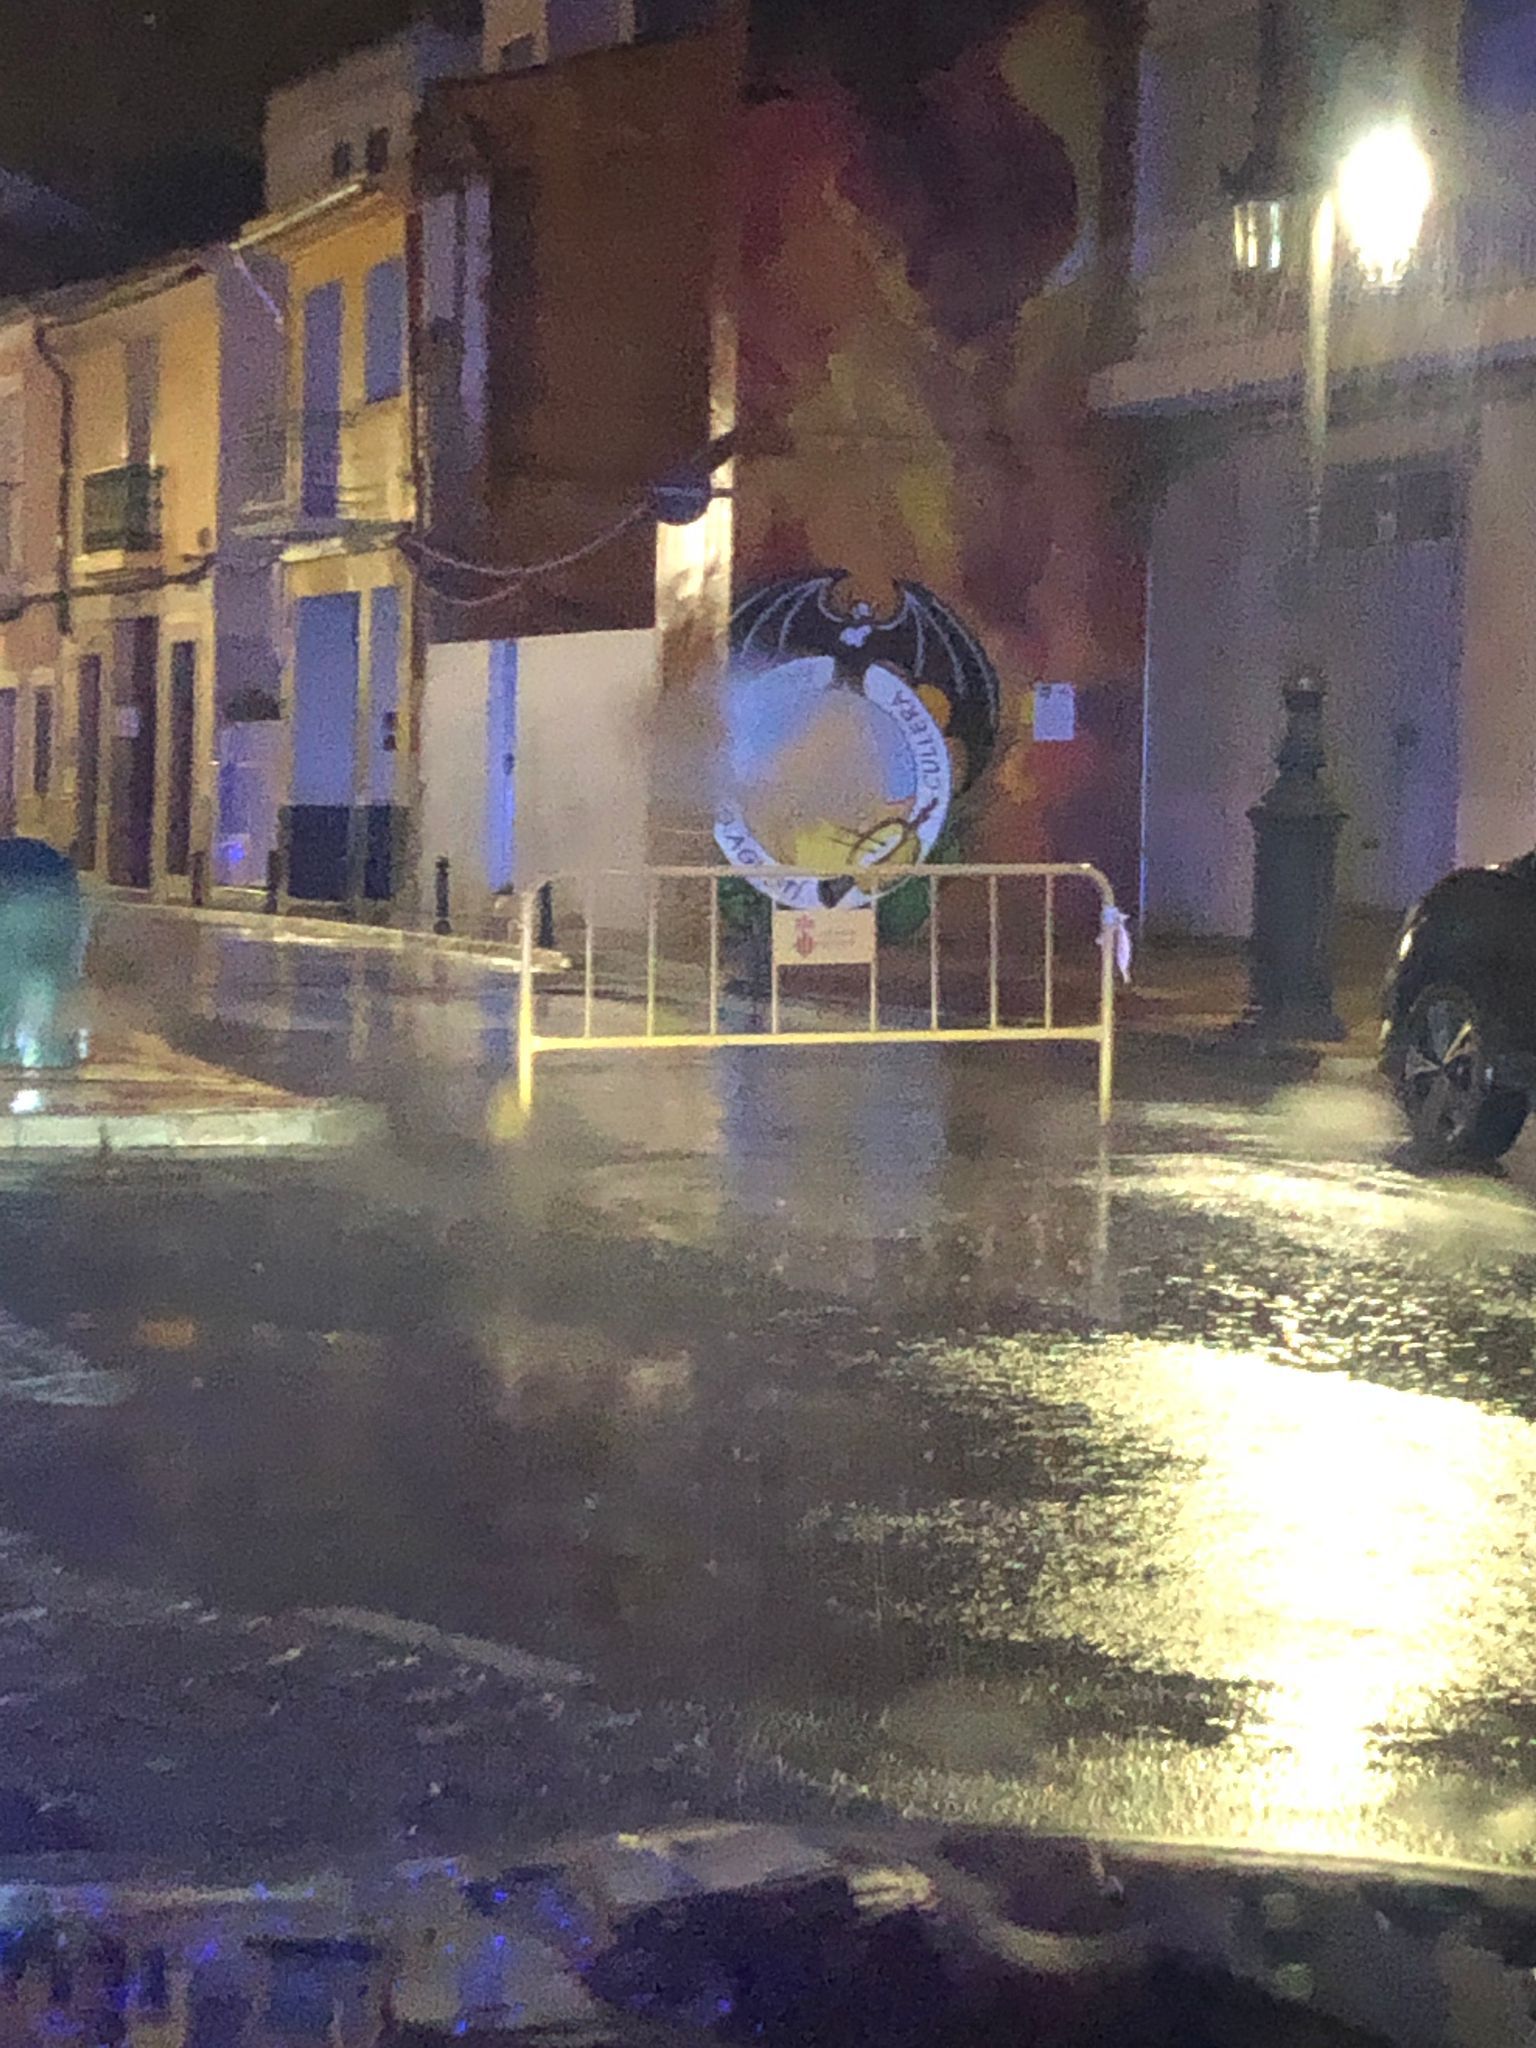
(575, 714)
(455, 733)
(1222, 637)
(1217, 646)
(1497, 810)
(380, 87)
(586, 705)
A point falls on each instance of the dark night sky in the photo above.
(143, 107)
(149, 110)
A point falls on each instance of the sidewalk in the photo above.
(1195, 990)
(1185, 992)
(338, 932)
(135, 1094)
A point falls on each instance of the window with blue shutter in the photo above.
(384, 335)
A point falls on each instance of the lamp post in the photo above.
(1378, 201)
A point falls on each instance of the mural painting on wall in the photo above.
(922, 191)
(850, 733)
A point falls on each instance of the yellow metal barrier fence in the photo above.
(809, 931)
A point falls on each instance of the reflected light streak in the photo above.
(1352, 1556)
(1322, 1538)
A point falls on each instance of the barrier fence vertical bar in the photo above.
(1050, 952)
(874, 964)
(650, 960)
(992, 1010)
(525, 1001)
(589, 978)
(933, 952)
(1106, 1011)
(714, 954)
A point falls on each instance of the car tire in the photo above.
(1458, 1113)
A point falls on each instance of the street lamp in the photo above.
(1385, 184)
(1378, 199)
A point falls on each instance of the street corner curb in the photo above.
(296, 1127)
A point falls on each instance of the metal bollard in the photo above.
(442, 924)
(274, 882)
(199, 880)
(1296, 826)
(547, 917)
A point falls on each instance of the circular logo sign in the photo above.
(850, 731)
(831, 767)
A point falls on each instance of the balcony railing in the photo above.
(1193, 292)
(312, 473)
(121, 510)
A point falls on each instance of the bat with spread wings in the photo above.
(796, 616)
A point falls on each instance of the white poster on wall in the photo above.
(1055, 711)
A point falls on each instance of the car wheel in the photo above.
(1447, 1086)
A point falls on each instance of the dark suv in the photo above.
(1458, 1035)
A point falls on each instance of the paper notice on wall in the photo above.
(1055, 711)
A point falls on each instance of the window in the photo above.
(521, 54)
(341, 161)
(121, 510)
(376, 155)
(1258, 236)
(384, 331)
(1374, 508)
(42, 742)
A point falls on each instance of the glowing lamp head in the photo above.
(1384, 188)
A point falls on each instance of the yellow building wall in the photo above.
(182, 326)
(187, 423)
(32, 656)
(375, 438)
(375, 479)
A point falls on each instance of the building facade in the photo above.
(455, 508)
(141, 366)
(767, 309)
(329, 490)
(206, 625)
(570, 322)
(354, 119)
(36, 740)
(1422, 591)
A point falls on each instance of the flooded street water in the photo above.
(867, 1417)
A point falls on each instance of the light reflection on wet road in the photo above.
(1180, 1487)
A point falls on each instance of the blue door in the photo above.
(325, 678)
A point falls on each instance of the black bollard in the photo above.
(1296, 826)
(442, 924)
(274, 882)
(547, 917)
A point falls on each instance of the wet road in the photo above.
(867, 1408)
